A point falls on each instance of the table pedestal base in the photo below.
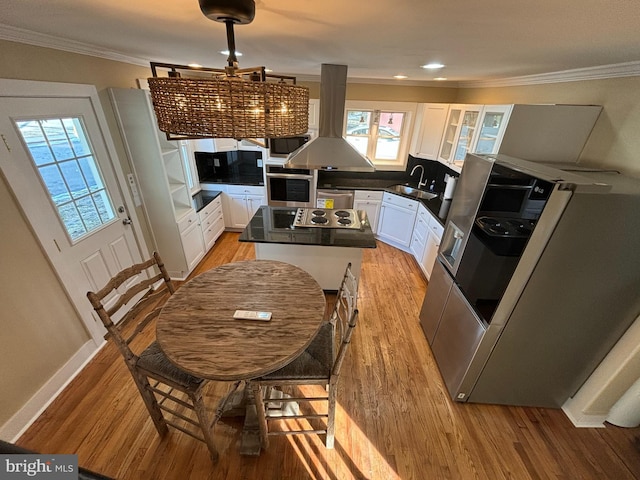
(241, 404)
(250, 442)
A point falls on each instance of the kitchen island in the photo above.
(322, 252)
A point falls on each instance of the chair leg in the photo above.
(150, 401)
(203, 419)
(262, 416)
(331, 418)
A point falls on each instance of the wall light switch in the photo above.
(134, 190)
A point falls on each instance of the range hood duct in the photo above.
(330, 151)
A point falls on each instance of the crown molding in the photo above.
(380, 81)
(628, 69)
(20, 35)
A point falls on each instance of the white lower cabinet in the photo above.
(397, 216)
(254, 202)
(430, 253)
(192, 242)
(420, 232)
(409, 225)
(425, 241)
(211, 222)
(242, 203)
(370, 201)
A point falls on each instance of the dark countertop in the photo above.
(236, 180)
(433, 174)
(437, 206)
(273, 225)
(204, 198)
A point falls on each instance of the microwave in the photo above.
(510, 193)
(282, 147)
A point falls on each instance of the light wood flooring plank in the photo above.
(395, 419)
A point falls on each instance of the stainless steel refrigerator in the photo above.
(538, 276)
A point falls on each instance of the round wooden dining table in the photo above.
(197, 331)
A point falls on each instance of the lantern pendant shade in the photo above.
(229, 103)
(229, 107)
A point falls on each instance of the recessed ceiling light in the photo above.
(440, 79)
(400, 77)
(433, 66)
(268, 70)
(226, 52)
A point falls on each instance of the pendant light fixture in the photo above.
(198, 102)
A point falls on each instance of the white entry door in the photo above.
(59, 161)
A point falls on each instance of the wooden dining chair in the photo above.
(319, 364)
(168, 392)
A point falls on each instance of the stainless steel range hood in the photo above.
(330, 151)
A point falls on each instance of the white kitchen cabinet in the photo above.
(192, 245)
(548, 133)
(432, 245)
(420, 232)
(459, 134)
(228, 145)
(491, 128)
(242, 203)
(397, 216)
(425, 240)
(543, 133)
(202, 145)
(160, 173)
(254, 202)
(225, 144)
(431, 119)
(370, 201)
(211, 221)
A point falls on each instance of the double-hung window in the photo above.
(380, 131)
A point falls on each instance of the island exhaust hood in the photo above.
(329, 151)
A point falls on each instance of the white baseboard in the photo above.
(580, 419)
(23, 418)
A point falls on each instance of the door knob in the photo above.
(126, 221)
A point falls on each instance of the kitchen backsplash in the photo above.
(433, 170)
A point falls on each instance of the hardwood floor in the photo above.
(394, 418)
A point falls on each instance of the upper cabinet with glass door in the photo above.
(491, 128)
(546, 133)
(459, 134)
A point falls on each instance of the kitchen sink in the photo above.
(413, 192)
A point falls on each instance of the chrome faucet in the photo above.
(421, 183)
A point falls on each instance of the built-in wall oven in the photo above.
(290, 187)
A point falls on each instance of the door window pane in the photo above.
(91, 173)
(54, 182)
(62, 155)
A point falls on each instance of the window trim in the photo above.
(408, 108)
